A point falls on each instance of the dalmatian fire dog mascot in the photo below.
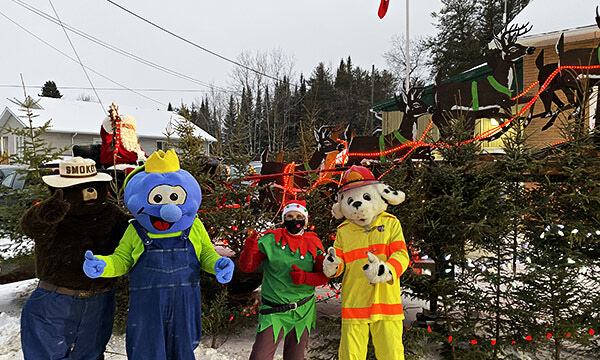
(370, 251)
(165, 247)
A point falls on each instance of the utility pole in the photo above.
(372, 94)
(505, 15)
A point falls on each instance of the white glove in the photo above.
(331, 263)
(376, 270)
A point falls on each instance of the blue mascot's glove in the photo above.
(94, 267)
(224, 270)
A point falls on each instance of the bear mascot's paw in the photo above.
(331, 263)
(54, 209)
(376, 270)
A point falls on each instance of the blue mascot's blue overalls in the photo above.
(165, 248)
(166, 277)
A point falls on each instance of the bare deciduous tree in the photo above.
(420, 70)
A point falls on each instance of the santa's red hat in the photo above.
(295, 205)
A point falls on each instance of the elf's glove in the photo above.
(92, 266)
(300, 276)
(251, 256)
(376, 270)
(224, 270)
(53, 209)
(331, 263)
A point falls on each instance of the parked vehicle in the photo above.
(11, 183)
(6, 170)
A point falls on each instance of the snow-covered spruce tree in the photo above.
(463, 213)
(559, 297)
(487, 286)
(34, 154)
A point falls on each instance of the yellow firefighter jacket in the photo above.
(361, 301)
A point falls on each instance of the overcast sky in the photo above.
(310, 31)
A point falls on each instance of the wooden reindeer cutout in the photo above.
(571, 78)
(413, 107)
(325, 137)
(484, 98)
(549, 96)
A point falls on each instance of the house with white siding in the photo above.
(78, 123)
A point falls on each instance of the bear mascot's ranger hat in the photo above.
(75, 171)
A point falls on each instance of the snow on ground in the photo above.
(237, 347)
(9, 249)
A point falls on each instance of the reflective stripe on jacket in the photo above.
(362, 301)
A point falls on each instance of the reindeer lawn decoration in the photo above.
(572, 78)
(277, 187)
(485, 98)
(549, 96)
(372, 147)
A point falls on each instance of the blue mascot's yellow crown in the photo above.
(162, 162)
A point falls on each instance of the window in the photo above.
(97, 140)
(160, 144)
(3, 145)
(19, 144)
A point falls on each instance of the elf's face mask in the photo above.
(294, 226)
(294, 222)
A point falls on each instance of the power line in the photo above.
(119, 50)
(107, 88)
(76, 54)
(193, 43)
(72, 59)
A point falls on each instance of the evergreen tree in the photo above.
(464, 30)
(454, 49)
(35, 153)
(50, 90)
(560, 286)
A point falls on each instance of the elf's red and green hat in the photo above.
(295, 205)
(357, 176)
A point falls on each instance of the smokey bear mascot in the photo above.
(69, 315)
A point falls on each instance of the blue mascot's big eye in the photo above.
(174, 197)
(157, 198)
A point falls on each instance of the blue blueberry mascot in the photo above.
(164, 248)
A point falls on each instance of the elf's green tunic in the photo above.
(278, 288)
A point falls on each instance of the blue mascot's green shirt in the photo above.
(131, 247)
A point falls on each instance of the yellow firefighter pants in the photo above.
(386, 335)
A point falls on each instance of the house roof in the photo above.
(550, 18)
(86, 118)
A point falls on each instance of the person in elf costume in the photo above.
(164, 248)
(292, 260)
(370, 251)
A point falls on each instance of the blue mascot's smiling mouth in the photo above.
(159, 223)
